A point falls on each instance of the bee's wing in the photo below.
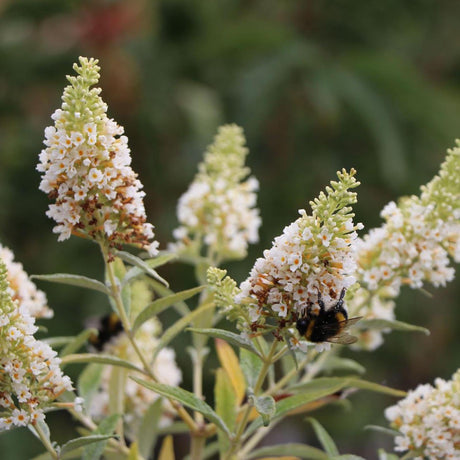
(343, 339)
(350, 322)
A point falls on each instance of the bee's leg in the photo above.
(339, 304)
(320, 302)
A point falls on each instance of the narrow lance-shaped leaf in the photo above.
(178, 326)
(229, 361)
(324, 438)
(99, 358)
(226, 406)
(159, 305)
(394, 325)
(106, 427)
(134, 272)
(163, 291)
(74, 280)
(251, 365)
(81, 442)
(299, 450)
(137, 262)
(78, 342)
(186, 398)
(265, 406)
(148, 429)
(89, 382)
(230, 337)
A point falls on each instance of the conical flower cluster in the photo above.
(218, 210)
(86, 170)
(428, 419)
(315, 256)
(22, 289)
(30, 376)
(411, 248)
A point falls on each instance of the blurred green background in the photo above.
(317, 86)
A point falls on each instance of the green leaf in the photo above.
(394, 325)
(89, 382)
(178, 326)
(117, 385)
(44, 456)
(265, 406)
(251, 365)
(134, 272)
(119, 270)
(74, 280)
(295, 449)
(159, 305)
(385, 456)
(139, 263)
(81, 442)
(336, 363)
(148, 429)
(226, 406)
(346, 382)
(187, 399)
(230, 337)
(56, 342)
(77, 342)
(44, 428)
(383, 429)
(324, 438)
(106, 427)
(307, 395)
(347, 457)
(181, 306)
(99, 358)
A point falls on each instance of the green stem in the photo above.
(268, 361)
(45, 441)
(116, 295)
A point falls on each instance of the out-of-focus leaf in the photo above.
(167, 449)
(251, 365)
(226, 405)
(148, 430)
(74, 280)
(230, 363)
(159, 305)
(385, 456)
(382, 429)
(89, 381)
(77, 342)
(324, 438)
(336, 363)
(394, 325)
(117, 385)
(300, 450)
(163, 291)
(56, 342)
(82, 442)
(106, 427)
(210, 450)
(99, 358)
(134, 452)
(186, 398)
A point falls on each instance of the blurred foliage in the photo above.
(317, 86)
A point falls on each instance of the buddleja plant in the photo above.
(320, 287)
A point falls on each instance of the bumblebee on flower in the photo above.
(309, 267)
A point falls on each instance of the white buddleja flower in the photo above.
(218, 209)
(138, 398)
(30, 376)
(428, 420)
(315, 256)
(22, 289)
(411, 248)
(86, 170)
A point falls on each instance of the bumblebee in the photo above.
(108, 326)
(327, 325)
